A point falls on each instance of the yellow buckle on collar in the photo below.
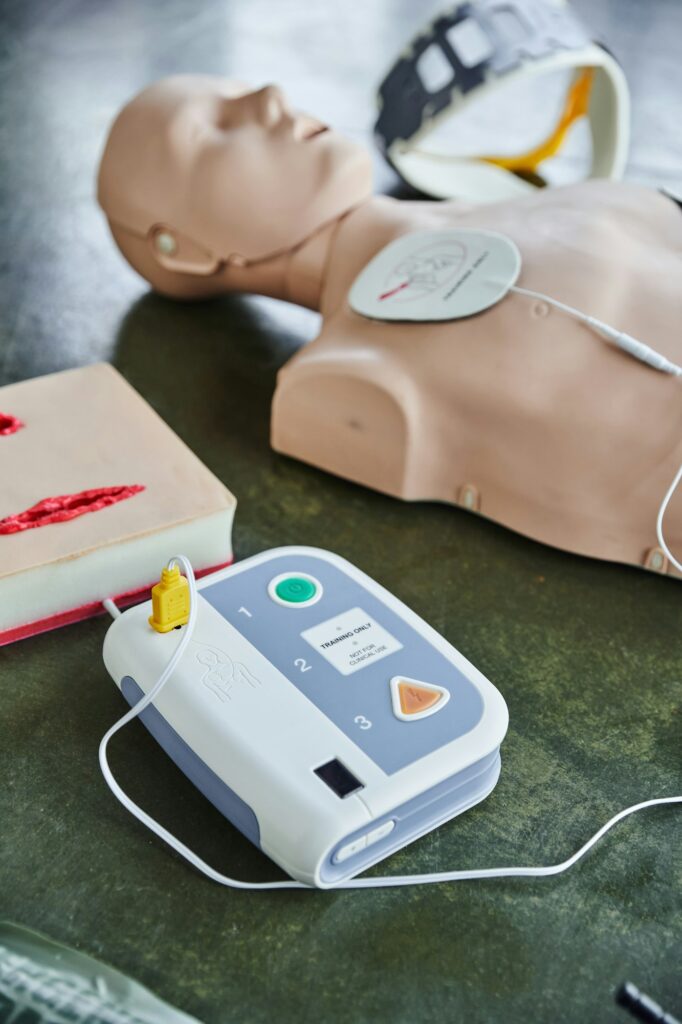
(576, 106)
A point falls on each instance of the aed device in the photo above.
(317, 712)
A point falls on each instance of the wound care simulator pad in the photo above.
(94, 489)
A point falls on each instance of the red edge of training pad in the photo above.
(87, 611)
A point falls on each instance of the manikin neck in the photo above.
(296, 276)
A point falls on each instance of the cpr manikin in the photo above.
(519, 412)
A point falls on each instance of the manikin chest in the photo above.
(558, 434)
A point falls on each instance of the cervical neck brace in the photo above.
(477, 47)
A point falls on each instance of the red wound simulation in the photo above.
(65, 507)
(9, 424)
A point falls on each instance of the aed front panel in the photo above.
(348, 652)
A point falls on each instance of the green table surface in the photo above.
(587, 655)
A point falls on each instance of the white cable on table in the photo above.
(354, 883)
(144, 702)
(535, 872)
(626, 343)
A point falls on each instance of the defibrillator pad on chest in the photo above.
(436, 275)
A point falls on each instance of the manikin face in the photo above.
(236, 173)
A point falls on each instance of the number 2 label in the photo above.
(302, 664)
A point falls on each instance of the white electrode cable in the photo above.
(137, 709)
(637, 349)
(506, 872)
(620, 339)
(659, 520)
(387, 881)
(112, 608)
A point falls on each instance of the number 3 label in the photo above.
(363, 722)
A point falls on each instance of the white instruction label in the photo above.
(436, 275)
(351, 641)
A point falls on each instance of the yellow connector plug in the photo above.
(170, 601)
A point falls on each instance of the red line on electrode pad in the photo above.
(393, 291)
(9, 424)
(65, 507)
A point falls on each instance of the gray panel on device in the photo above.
(348, 690)
(206, 781)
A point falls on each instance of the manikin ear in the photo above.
(174, 251)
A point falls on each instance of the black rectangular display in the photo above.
(338, 778)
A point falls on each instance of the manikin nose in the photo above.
(272, 105)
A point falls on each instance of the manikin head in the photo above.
(200, 174)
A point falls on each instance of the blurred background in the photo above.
(67, 67)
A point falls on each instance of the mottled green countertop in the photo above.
(583, 653)
(587, 655)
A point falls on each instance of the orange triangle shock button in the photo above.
(413, 699)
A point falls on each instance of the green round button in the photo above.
(295, 590)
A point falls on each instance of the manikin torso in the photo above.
(520, 412)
